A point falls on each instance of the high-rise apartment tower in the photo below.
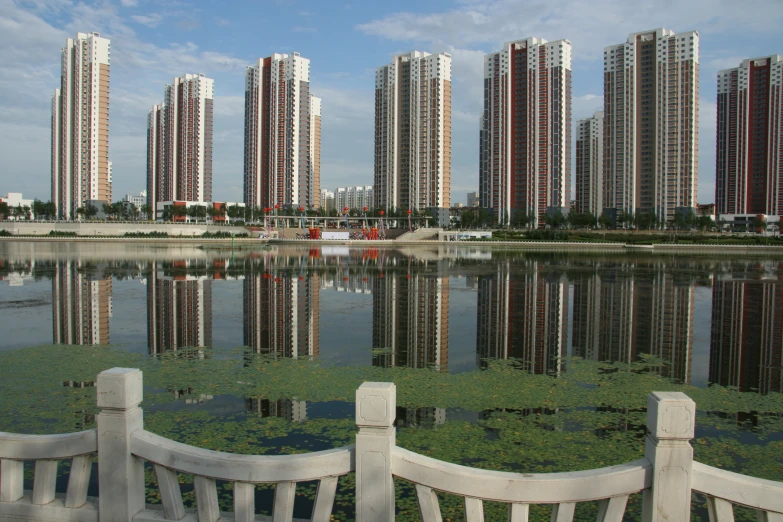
(179, 142)
(525, 135)
(282, 133)
(413, 132)
(590, 164)
(651, 122)
(749, 152)
(80, 125)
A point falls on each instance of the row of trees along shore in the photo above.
(469, 218)
(642, 221)
(130, 212)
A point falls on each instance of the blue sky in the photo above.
(154, 41)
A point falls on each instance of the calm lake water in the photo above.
(504, 360)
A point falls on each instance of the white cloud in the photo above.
(150, 20)
(585, 24)
(129, 3)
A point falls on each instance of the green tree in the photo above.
(90, 211)
(557, 219)
(178, 211)
(39, 208)
(705, 223)
(197, 212)
(604, 220)
(759, 224)
(5, 211)
(146, 211)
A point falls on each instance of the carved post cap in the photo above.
(670, 416)
(376, 404)
(120, 388)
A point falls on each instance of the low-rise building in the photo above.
(139, 200)
(327, 200)
(354, 197)
(14, 200)
(473, 199)
(750, 222)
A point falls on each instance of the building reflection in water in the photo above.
(410, 320)
(623, 310)
(281, 309)
(746, 345)
(81, 303)
(179, 306)
(288, 409)
(424, 417)
(603, 315)
(523, 314)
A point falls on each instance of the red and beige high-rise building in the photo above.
(179, 142)
(749, 151)
(282, 134)
(80, 125)
(525, 135)
(651, 122)
(590, 164)
(413, 132)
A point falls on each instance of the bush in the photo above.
(546, 235)
(60, 233)
(5, 233)
(146, 234)
(221, 234)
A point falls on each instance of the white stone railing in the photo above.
(46, 451)
(666, 475)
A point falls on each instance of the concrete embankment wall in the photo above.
(35, 228)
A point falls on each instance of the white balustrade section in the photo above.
(46, 451)
(501, 486)
(724, 488)
(170, 457)
(666, 475)
(244, 468)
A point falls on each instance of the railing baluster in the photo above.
(244, 502)
(612, 509)
(45, 481)
(206, 499)
(563, 512)
(170, 493)
(720, 510)
(769, 516)
(284, 502)
(324, 499)
(474, 510)
(518, 512)
(428, 504)
(78, 481)
(11, 480)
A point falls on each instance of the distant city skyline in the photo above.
(148, 43)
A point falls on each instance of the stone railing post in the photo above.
(670, 426)
(376, 407)
(120, 474)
